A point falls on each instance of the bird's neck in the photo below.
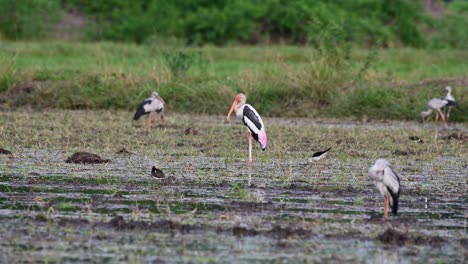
(240, 109)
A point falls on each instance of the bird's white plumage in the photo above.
(436, 103)
(250, 124)
(156, 103)
(449, 96)
(384, 177)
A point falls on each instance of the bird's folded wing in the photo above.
(391, 180)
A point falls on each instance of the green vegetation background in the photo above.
(363, 58)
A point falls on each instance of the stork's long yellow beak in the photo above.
(232, 109)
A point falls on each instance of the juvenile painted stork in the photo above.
(151, 106)
(450, 100)
(388, 183)
(316, 157)
(252, 120)
(435, 104)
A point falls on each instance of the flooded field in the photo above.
(204, 210)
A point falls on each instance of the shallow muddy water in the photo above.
(51, 210)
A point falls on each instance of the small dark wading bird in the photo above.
(151, 106)
(435, 104)
(252, 120)
(316, 157)
(450, 101)
(388, 183)
(157, 173)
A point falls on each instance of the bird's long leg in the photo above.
(250, 158)
(156, 119)
(443, 118)
(448, 112)
(385, 207)
(436, 119)
(250, 149)
(148, 123)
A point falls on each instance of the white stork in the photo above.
(153, 105)
(435, 104)
(252, 120)
(450, 100)
(388, 183)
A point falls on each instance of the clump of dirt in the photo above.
(251, 206)
(191, 131)
(118, 222)
(402, 152)
(224, 184)
(242, 231)
(86, 158)
(285, 232)
(171, 180)
(23, 88)
(72, 221)
(393, 237)
(5, 151)
(276, 231)
(457, 136)
(123, 151)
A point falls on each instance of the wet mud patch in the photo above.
(124, 151)
(460, 136)
(394, 237)
(86, 158)
(119, 223)
(191, 131)
(5, 151)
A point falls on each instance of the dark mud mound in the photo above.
(119, 223)
(393, 237)
(86, 158)
(124, 151)
(191, 131)
(276, 231)
(5, 151)
(457, 136)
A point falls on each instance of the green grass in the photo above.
(279, 80)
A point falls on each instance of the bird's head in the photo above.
(156, 96)
(448, 89)
(238, 101)
(381, 163)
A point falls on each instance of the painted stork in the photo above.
(153, 105)
(317, 156)
(252, 120)
(435, 104)
(450, 100)
(388, 183)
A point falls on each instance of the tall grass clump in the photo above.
(9, 73)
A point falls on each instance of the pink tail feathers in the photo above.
(262, 138)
